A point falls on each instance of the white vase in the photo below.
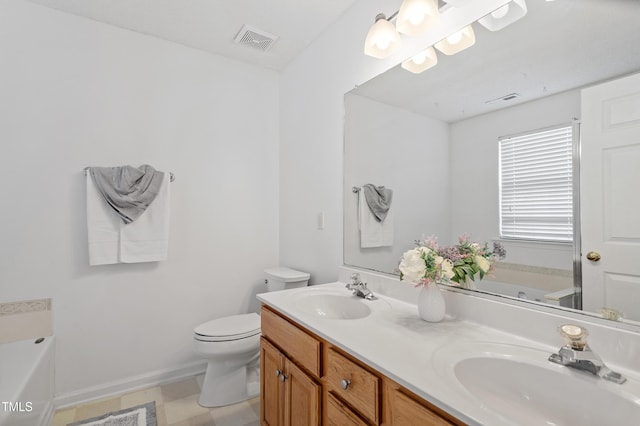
(431, 305)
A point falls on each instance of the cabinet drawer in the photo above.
(293, 341)
(356, 386)
(339, 414)
(406, 411)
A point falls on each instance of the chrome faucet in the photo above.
(577, 354)
(359, 288)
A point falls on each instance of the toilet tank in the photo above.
(285, 278)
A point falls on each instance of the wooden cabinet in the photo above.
(295, 342)
(290, 397)
(338, 414)
(405, 410)
(307, 381)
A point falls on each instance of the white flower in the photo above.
(423, 249)
(483, 263)
(412, 265)
(447, 269)
(439, 260)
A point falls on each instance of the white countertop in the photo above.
(395, 341)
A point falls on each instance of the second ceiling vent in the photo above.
(255, 38)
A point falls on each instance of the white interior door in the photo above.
(610, 196)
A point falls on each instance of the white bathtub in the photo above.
(512, 290)
(26, 383)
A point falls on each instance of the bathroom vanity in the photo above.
(328, 357)
(307, 380)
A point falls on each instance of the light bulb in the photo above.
(382, 39)
(501, 12)
(383, 43)
(419, 58)
(421, 61)
(455, 38)
(457, 42)
(416, 18)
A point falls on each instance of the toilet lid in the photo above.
(229, 328)
(286, 275)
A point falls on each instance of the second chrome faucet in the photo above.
(577, 354)
(359, 288)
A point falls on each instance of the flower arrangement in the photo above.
(423, 265)
(459, 264)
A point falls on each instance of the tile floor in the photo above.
(176, 405)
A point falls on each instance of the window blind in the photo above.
(536, 196)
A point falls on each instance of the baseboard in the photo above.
(47, 414)
(128, 385)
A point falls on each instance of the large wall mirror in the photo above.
(432, 138)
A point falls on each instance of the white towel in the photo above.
(372, 232)
(147, 238)
(103, 227)
(111, 241)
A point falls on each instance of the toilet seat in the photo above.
(234, 327)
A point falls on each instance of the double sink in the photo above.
(502, 383)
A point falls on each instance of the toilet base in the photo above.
(229, 387)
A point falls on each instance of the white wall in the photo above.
(76, 93)
(474, 173)
(409, 154)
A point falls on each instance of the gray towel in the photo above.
(129, 191)
(378, 199)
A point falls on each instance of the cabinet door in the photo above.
(302, 398)
(271, 389)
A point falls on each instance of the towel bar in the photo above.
(356, 189)
(171, 176)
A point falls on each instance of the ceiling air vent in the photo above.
(508, 97)
(255, 38)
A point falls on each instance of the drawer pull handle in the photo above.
(344, 383)
(278, 373)
(282, 377)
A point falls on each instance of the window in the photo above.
(536, 196)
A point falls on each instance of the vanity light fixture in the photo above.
(457, 41)
(422, 61)
(416, 17)
(504, 16)
(382, 38)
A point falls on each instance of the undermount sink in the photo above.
(333, 306)
(522, 387)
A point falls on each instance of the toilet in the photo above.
(232, 347)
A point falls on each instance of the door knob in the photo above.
(593, 256)
(344, 383)
(278, 373)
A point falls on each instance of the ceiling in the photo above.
(559, 45)
(212, 25)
